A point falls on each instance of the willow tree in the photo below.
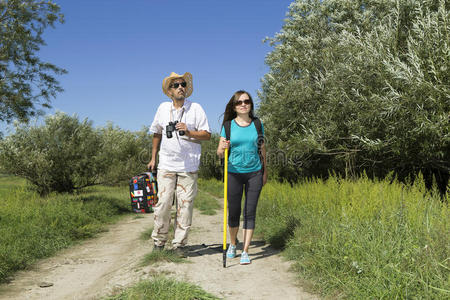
(360, 85)
(26, 82)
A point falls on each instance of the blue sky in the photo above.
(117, 53)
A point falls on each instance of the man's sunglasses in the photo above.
(177, 84)
(239, 102)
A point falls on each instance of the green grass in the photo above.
(162, 256)
(163, 288)
(214, 187)
(32, 227)
(147, 234)
(206, 203)
(360, 239)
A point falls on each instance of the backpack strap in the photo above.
(256, 121)
(258, 126)
(227, 126)
(260, 139)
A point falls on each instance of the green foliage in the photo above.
(25, 80)
(278, 231)
(62, 155)
(32, 227)
(362, 239)
(124, 153)
(357, 85)
(66, 154)
(160, 287)
(210, 163)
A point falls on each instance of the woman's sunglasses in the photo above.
(240, 102)
(176, 85)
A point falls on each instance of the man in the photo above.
(178, 128)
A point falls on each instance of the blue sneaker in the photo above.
(245, 260)
(231, 252)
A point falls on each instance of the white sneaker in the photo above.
(245, 260)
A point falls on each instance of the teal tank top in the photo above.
(243, 155)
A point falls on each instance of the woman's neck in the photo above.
(243, 118)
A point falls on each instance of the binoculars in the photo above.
(171, 128)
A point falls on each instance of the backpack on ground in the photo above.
(143, 192)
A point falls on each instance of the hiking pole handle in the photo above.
(225, 204)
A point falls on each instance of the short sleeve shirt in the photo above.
(179, 153)
(243, 157)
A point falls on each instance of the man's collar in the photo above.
(186, 105)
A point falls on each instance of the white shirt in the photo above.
(179, 153)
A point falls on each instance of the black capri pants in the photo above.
(252, 182)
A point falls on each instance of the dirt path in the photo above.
(99, 266)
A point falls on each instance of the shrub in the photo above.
(124, 153)
(62, 155)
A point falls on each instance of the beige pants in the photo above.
(185, 186)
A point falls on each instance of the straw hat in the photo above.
(186, 76)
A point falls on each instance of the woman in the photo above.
(246, 168)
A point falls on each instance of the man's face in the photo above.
(176, 89)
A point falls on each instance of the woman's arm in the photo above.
(264, 162)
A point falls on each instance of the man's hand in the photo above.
(182, 127)
(152, 165)
(201, 135)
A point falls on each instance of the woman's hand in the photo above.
(223, 144)
(265, 175)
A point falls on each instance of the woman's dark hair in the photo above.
(230, 113)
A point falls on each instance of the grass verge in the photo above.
(146, 235)
(362, 239)
(162, 256)
(206, 203)
(161, 287)
(214, 187)
(32, 227)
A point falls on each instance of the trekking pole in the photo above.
(225, 188)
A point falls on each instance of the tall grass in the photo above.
(365, 239)
(32, 227)
(360, 239)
